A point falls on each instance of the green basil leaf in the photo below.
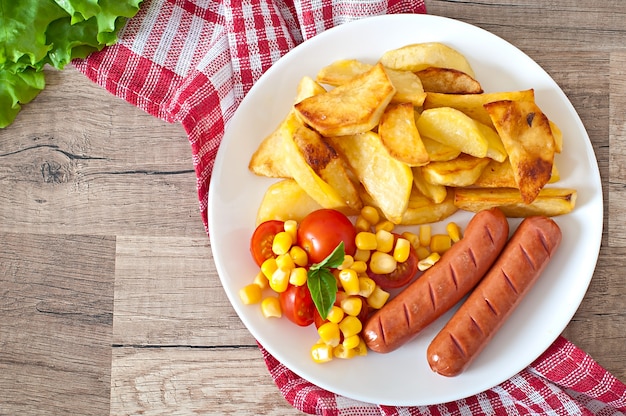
(323, 288)
(333, 260)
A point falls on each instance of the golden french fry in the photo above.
(352, 108)
(436, 193)
(500, 175)
(328, 165)
(453, 128)
(550, 201)
(285, 200)
(301, 171)
(528, 140)
(495, 147)
(399, 134)
(472, 104)
(462, 171)
(386, 179)
(269, 158)
(558, 137)
(448, 81)
(418, 56)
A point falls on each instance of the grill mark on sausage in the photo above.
(457, 344)
(527, 257)
(454, 277)
(543, 241)
(381, 331)
(509, 282)
(491, 308)
(491, 237)
(407, 315)
(477, 326)
(431, 291)
(472, 257)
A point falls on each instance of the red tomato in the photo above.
(399, 277)
(321, 231)
(262, 239)
(297, 305)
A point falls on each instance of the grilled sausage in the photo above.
(440, 287)
(496, 296)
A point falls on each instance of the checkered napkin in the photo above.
(193, 61)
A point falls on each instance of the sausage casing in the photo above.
(443, 285)
(472, 326)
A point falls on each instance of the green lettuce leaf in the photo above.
(35, 33)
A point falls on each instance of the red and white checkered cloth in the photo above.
(192, 61)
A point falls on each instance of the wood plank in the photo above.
(114, 169)
(182, 381)
(167, 292)
(617, 154)
(56, 309)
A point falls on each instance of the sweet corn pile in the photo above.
(377, 248)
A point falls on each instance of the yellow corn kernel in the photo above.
(361, 349)
(428, 262)
(382, 263)
(299, 256)
(349, 280)
(424, 234)
(282, 243)
(422, 252)
(439, 243)
(370, 214)
(291, 227)
(298, 276)
(384, 241)
(350, 325)
(361, 255)
(366, 286)
(348, 260)
(352, 305)
(402, 250)
(279, 280)
(413, 239)
(365, 240)
(329, 333)
(384, 225)
(361, 224)
(268, 267)
(270, 307)
(454, 231)
(250, 294)
(261, 280)
(321, 353)
(342, 352)
(359, 267)
(351, 342)
(336, 314)
(285, 262)
(378, 298)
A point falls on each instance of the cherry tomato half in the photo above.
(297, 305)
(399, 277)
(322, 230)
(262, 239)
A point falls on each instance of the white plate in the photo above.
(403, 377)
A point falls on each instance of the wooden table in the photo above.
(109, 298)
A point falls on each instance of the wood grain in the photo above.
(109, 298)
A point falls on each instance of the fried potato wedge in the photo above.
(439, 152)
(495, 147)
(328, 165)
(436, 193)
(558, 137)
(453, 128)
(472, 104)
(500, 175)
(448, 81)
(351, 108)
(462, 171)
(285, 200)
(528, 140)
(386, 179)
(399, 134)
(408, 85)
(418, 56)
(301, 171)
(550, 201)
(269, 158)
